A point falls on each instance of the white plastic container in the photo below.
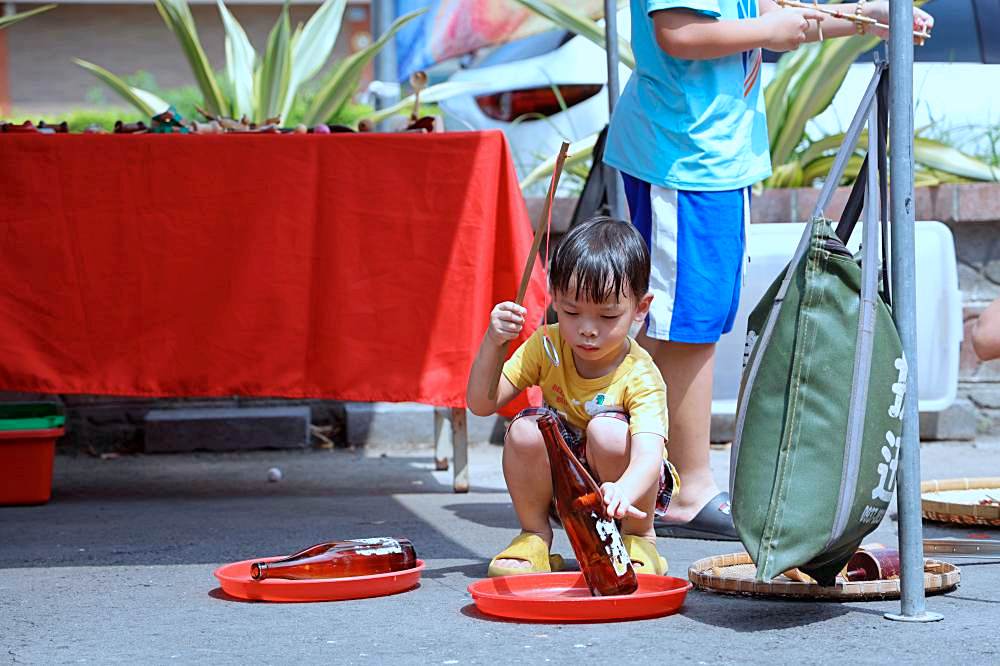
(939, 311)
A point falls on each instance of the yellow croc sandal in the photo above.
(645, 558)
(530, 548)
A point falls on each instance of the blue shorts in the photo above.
(697, 244)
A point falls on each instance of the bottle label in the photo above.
(379, 546)
(613, 544)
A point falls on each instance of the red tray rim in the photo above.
(277, 582)
(574, 576)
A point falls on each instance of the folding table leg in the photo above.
(442, 438)
(460, 445)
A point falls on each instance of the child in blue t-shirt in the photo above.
(689, 137)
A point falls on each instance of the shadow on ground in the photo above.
(194, 509)
(487, 514)
(750, 614)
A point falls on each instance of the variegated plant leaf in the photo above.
(312, 45)
(787, 71)
(814, 90)
(578, 152)
(275, 69)
(940, 157)
(177, 15)
(343, 80)
(146, 102)
(240, 63)
(20, 16)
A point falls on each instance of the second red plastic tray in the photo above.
(564, 597)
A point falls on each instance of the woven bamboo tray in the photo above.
(957, 501)
(734, 574)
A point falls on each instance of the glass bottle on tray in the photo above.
(341, 559)
(873, 562)
(596, 541)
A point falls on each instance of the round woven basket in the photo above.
(958, 501)
(734, 574)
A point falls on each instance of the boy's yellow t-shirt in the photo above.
(635, 386)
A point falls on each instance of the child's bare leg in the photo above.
(608, 454)
(526, 470)
(687, 370)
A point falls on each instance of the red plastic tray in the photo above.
(236, 582)
(564, 597)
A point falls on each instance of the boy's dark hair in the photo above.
(606, 256)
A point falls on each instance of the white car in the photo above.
(517, 93)
(956, 85)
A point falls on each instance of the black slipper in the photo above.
(713, 523)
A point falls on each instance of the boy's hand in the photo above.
(787, 28)
(506, 322)
(616, 505)
(879, 10)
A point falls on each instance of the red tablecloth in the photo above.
(353, 267)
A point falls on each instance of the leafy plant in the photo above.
(187, 98)
(271, 84)
(6, 21)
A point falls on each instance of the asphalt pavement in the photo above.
(117, 568)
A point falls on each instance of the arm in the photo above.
(506, 322)
(645, 461)
(877, 9)
(832, 27)
(691, 35)
(986, 334)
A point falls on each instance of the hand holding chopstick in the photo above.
(540, 228)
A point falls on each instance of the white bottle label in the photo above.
(379, 546)
(613, 544)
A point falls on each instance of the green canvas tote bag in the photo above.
(813, 462)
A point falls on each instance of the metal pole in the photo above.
(911, 548)
(382, 16)
(616, 190)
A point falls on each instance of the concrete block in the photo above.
(408, 423)
(958, 422)
(226, 429)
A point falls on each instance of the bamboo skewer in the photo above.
(530, 263)
(854, 18)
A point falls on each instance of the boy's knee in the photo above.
(523, 436)
(607, 437)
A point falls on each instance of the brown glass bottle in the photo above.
(596, 541)
(873, 563)
(341, 559)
